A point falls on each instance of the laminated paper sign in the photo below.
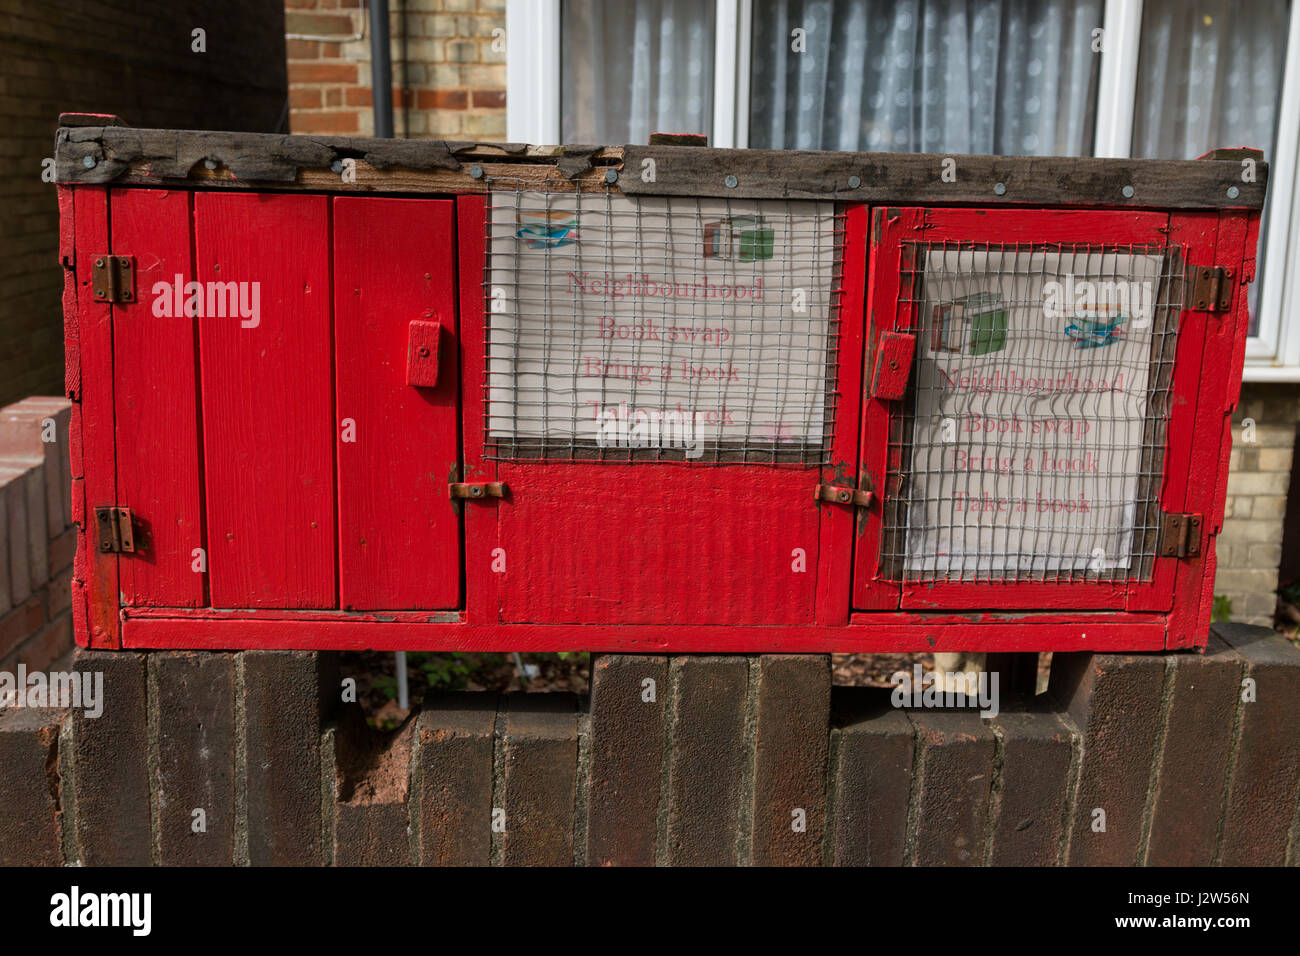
(701, 312)
(1031, 391)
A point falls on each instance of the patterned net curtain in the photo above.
(635, 67)
(939, 76)
(1210, 74)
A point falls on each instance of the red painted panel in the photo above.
(1220, 382)
(1195, 233)
(657, 544)
(395, 272)
(268, 423)
(889, 310)
(884, 633)
(834, 564)
(95, 574)
(155, 344)
(481, 600)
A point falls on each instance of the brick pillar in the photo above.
(1250, 544)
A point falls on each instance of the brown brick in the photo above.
(31, 474)
(109, 757)
(441, 99)
(20, 623)
(326, 121)
(304, 97)
(23, 434)
(193, 716)
(49, 644)
(541, 761)
(318, 24)
(706, 759)
(1188, 802)
(956, 774)
(30, 789)
(302, 49)
(13, 489)
(58, 594)
(372, 792)
(285, 696)
(62, 551)
(790, 751)
(322, 73)
(871, 765)
(1266, 763)
(6, 585)
(490, 99)
(1114, 701)
(1032, 788)
(453, 779)
(627, 741)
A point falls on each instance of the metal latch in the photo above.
(1211, 288)
(483, 489)
(1180, 536)
(113, 279)
(839, 495)
(114, 525)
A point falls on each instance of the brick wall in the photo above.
(448, 81)
(134, 60)
(37, 536)
(1149, 759)
(1250, 545)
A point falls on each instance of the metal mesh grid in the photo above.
(1030, 444)
(659, 329)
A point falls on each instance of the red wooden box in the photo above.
(335, 393)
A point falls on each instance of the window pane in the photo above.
(939, 76)
(635, 67)
(1210, 75)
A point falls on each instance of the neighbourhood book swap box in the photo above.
(345, 393)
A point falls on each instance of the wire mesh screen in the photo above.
(659, 329)
(1030, 444)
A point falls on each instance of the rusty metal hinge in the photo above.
(114, 528)
(113, 278)
(482, 489)
(1211, 288)
(1180, 536)
(839, 495)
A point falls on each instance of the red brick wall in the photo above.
(135, 60)
(448, 80)
(37, 536)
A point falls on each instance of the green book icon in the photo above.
(755, 237)
(987, 318)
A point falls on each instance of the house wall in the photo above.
(136, 61)
(448, 80)
(1250, 545)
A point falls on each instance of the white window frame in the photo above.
(533, 116)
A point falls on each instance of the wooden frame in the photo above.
(103, 212)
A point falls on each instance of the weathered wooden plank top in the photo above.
(122, 155)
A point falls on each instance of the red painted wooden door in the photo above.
(155, 348)
(266, 371)
(659, 542)
(398, 443)
(1042, 434)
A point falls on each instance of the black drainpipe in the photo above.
(381, 69)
